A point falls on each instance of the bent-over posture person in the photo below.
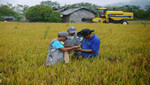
(56, 49)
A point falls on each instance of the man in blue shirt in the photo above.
(90, 43)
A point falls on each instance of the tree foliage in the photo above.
(21, 9)
(39, 13)
(53, 5)
(7, 10)
(55, 17)
(42, 13)
(148, 11)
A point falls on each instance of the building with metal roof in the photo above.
(76, 14)
(8, 18)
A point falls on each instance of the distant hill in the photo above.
(141, 3)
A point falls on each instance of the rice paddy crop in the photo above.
(124, 55)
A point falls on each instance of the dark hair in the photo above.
(61, 36)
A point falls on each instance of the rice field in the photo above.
(124, 55)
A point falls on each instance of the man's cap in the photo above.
(72, 29)
(65, 34)
(84, 32)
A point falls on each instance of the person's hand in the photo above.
(67, 46)
(76, 47)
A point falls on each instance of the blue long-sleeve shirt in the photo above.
(93, 43)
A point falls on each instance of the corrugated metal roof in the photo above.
(5, 17)
(62, 9)
(69, 11)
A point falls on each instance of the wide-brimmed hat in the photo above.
(84, 32)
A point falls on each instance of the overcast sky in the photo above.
(62, 2)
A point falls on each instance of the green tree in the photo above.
(38, 13)
(42, 13)
(148, 11)
(7, 10)
(53, 5)
(21, 9)
(141, 14)
(55, 17)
